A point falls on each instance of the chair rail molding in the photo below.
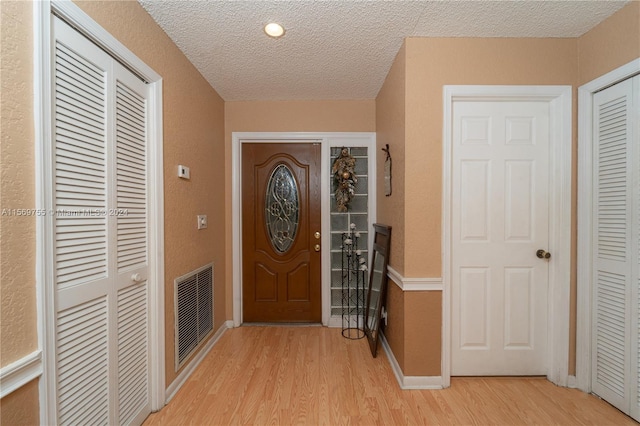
(414, 284)
(20, 372)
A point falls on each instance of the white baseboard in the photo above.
(21, 372)
(409, 382)
(572, 382)
(335, 321)
(175, 386)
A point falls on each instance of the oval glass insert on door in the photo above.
(281, 208)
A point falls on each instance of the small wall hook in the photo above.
(386, 150)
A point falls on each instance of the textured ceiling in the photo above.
(343, 49)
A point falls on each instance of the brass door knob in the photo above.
(317, 235)
(543, 254)
(316, 247)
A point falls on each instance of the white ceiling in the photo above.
(343, 49)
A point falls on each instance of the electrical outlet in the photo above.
(184, 172)
(202, 221)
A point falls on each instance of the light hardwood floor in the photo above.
(314, 376)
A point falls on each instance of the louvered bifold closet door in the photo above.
(81, 228)
(130, 216)
(634, 179)
(100, 235)
(612, 253)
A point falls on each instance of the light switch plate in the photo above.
(202, 221)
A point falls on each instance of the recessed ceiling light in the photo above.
(274, 30)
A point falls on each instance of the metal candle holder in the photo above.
(354, 270)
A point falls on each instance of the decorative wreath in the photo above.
(345, 177)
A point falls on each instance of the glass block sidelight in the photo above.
(340, 222)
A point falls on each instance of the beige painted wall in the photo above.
(18, 316)
(394, 331)
(390, 129)
(17, 185)
(193, 135)
(423, 333)
(198, 126)
(287, 116)
(611, 44)
(431, 64)
(300, 116)
(20, 407)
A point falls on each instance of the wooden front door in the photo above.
(281, 232)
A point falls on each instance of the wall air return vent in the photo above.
(193, 299)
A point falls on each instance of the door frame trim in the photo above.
(585, 215)
(327, 141)
(559, 99)
(43, 121)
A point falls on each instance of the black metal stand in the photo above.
(353, 273)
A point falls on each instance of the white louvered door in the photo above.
(100, 235)
(130, 246)
(616, 299)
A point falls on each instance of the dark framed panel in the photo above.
(377, 290)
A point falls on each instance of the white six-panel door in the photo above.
(100, 235)
(500, 218)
